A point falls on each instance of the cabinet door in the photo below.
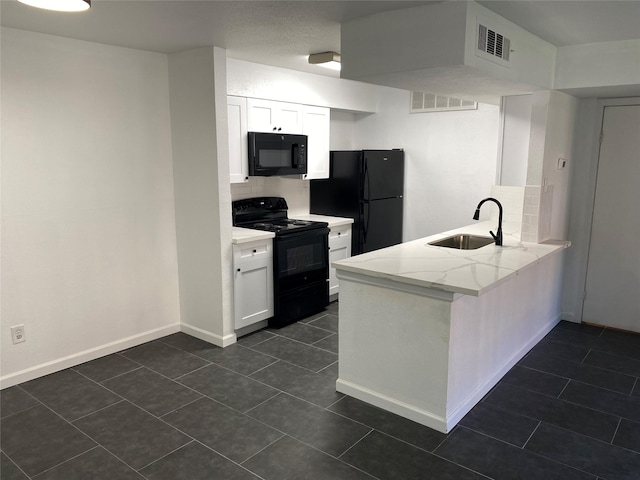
(339, 249)
(336, 254)
(289, 117)
(253, 295)
(253, 282)
(270, 116)
(237, 120)
(316, 125)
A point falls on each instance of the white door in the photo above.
(613, 270)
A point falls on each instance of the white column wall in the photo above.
(203, 221)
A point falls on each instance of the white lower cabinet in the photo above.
(339, 249)
(253, 282)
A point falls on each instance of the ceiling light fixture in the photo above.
(60, 5)
(326, 59)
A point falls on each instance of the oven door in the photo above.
(300, 259)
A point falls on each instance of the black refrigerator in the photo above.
(368, 186)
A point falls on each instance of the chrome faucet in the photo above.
(476, 216)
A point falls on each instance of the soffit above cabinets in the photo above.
(458, 49)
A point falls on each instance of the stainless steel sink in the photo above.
(463, 241)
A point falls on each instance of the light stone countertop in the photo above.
(241, 235)
(468, 272)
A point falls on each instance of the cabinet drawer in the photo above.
(253, 250)
(339, 236)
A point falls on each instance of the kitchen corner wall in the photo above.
(547, 192)
(450, 159)
(88, 250)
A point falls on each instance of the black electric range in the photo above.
(300, 257)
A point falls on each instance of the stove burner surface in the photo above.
(269, 214)
(283, 224)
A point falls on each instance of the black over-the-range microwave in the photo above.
(277, 154)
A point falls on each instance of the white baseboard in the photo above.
(220, 341)
(85, 356)
(392, 405)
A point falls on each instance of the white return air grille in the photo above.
(493, 43)
(427, 102)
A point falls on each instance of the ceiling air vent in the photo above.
(427, 102)
(493, 43)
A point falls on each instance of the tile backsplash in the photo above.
(512, 200)
(531, 216)
(294, 190)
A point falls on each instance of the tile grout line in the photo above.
(564, 388)
(17, 466)
(459, 464)
(613, 437)
(165, 455)
(532, 433)
(578, 380)
(262, 449)
(83, 433)
(97, 445)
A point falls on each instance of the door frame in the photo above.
(593, 163)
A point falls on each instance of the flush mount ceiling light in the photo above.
(60, 5)
(326, 59)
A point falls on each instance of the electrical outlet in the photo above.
(562, 162)
(17, 334)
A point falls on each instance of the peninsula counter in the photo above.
(426, 331)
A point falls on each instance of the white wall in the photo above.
(553, 119)
(450, 159)
(516, 125)
(89, 260)
(203, 210)
(607, 64)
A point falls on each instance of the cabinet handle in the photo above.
(275, 128)
(255, 251)
(238, 270)
(279, 129)
(339, 233)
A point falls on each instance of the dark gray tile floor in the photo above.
(266, 408)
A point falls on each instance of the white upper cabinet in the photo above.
(237, 120)
(274, 117)
(257, 115)
(316, 125)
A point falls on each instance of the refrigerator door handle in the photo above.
(366, 183)
(365, 219)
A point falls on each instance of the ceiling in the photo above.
(283, 33)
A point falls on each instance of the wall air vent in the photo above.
(427, 102)
(493, 43)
